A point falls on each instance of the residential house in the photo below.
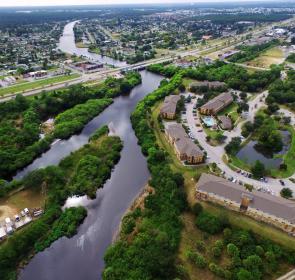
(264, 207)
(218, 103)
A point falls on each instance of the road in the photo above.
(215, 153)
(102, 74)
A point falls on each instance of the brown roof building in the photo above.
(218, 103)
(264, 207)
(225, 122)
(185, 148)
(168, 109)
(207, 84)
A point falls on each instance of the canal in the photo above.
(81, 257)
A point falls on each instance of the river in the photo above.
(81, 257)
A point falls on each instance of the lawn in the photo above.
(231, 110)
(36, 84)
(214, 134)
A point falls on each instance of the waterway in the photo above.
(81, 257)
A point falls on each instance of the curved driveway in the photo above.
(215, 153)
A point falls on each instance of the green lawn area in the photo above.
(231, 110)
(187, 82)
(36, 84)
(213, 134)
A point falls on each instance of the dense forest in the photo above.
(80, 173)
(21, 119)
(283, 92)
(234, 76)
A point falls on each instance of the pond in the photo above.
(249, 153)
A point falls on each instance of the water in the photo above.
(81, 257)
(250, 154)
(67, 44)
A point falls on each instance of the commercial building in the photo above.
(218, 103)
(264, 207)
(168, 109)
(185, 148)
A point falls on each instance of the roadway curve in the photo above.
(216, 153)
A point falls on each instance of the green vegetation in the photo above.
(248, 53)
(286, 193)
(21, 119)
(234, 76)
(218, 248)
(291, 58)
(151, 252)
(73, 120)
(37, 84)
(283, 92)
(67, 179)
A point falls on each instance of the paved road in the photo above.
(215, 154)
(101, 75)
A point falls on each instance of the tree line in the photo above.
(21, 118)
(81, 173)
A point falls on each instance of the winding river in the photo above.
(81, 257)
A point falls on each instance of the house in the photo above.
(185, 148)
(168, 109)
(264, 207)
(218, 103)
(225, 122)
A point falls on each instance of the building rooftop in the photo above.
(170, 104)
(218, 101)
(226, 122)
(182, 142)
(270, 204)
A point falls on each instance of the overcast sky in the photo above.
(7, 3)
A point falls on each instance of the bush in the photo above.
(209, 223)
(197, 208)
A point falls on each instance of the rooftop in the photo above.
(273, 205)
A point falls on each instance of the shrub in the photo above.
(197, 208)
(209, 223)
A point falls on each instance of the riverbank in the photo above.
(81, 173)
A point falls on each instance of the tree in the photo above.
(286, 193)
(258, 169)
(272, 108)
(244, 274)
(233, 146)
(232, 250)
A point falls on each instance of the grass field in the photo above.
(272, 56)
(19, 88)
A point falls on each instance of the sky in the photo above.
(9, 3)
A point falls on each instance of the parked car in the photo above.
(282, 182)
